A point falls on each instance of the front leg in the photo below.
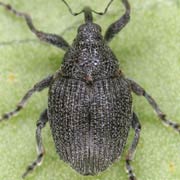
(49, 38)
(116, 27)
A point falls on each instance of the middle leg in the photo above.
(138, 90)
(37, 88)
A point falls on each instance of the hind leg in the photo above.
(41, 151)
(137, 128)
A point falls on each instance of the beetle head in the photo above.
(90, 32)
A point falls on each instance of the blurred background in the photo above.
(148, 49)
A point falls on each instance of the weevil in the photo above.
(89, 102)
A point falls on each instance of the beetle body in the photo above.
(89, 107)
(89, 103)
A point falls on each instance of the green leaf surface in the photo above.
(148, 49)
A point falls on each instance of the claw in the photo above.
(132, 178)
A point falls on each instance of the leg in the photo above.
(116, 27)
(37, 87)
(40, 124)
(137, 128)
(137, 89)
(49, 38)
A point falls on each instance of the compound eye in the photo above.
(81, 28)
(99, 28)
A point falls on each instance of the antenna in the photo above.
(70, 10)
(99, 13)
(106, 9)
